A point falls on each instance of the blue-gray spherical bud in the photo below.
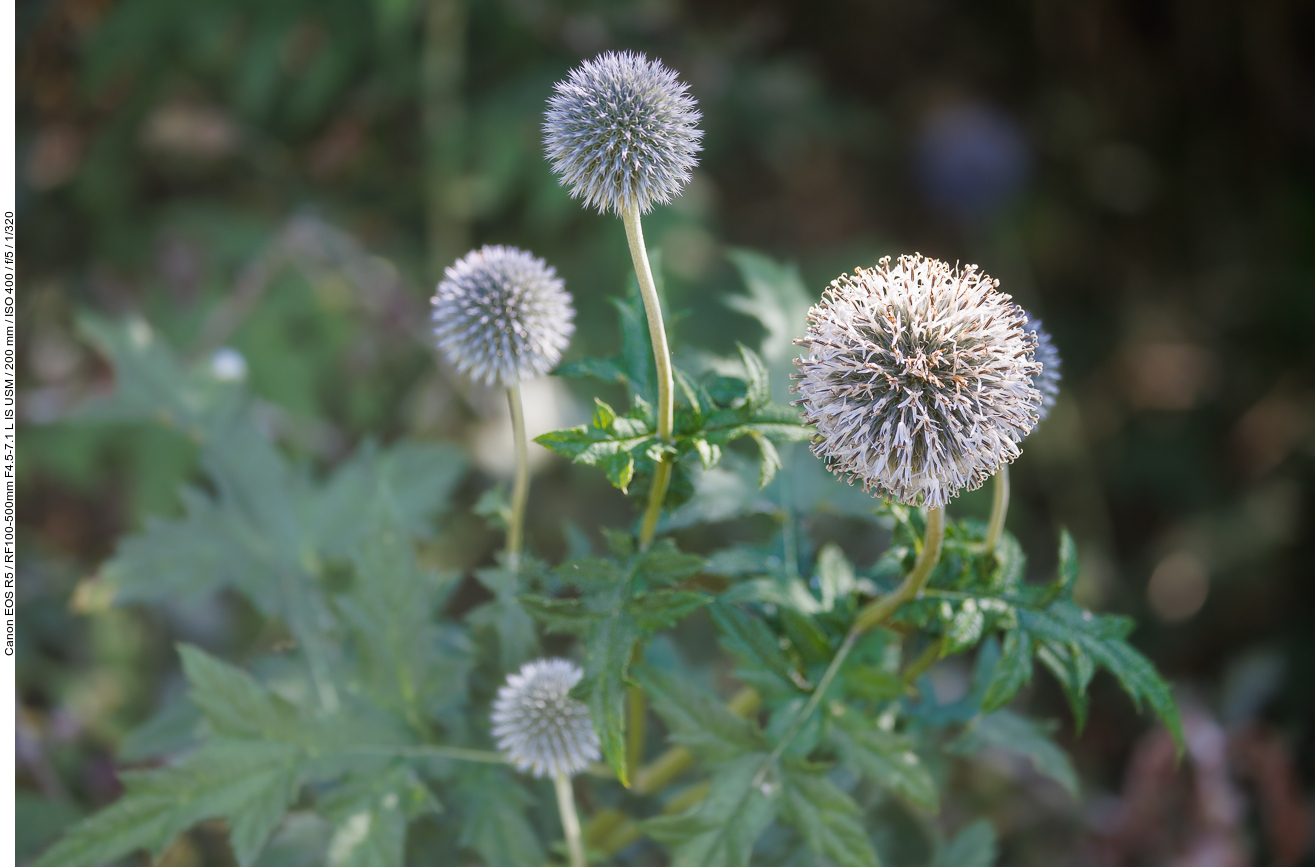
(502, 316)
(1046, 355)
(622, 132)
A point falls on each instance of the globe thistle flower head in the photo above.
(501, 316)
(918, 378)
(537, 724)
(621, 131)
(1046, 355)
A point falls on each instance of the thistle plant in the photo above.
(501, 317)
(622, 133)
(919, 380)
(541, 729)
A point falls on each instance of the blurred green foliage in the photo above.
(265, 177)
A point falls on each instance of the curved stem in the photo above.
(879, 612)
(995, 528)
(657, 334)
(570, 819)
(520, 490)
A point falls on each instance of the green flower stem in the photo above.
(659, 773)
(520, 490)
(869, 618)
(657, 334)
(570, 819)
(623, 830)
(878, 612)
(925, 660)
(999, 508)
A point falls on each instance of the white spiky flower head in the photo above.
(502, 316)
(537, 724)
(622, 132)
(1046, 355)
(918, 379)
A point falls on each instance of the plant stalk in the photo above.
(657, 334)
(869, 618)
(570, 819)
(520, 490)
(995, 528)
(879, 612)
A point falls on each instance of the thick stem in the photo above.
(657, 334)
(520, 489)
(659, 773)
(870, 617)
(995, 528)
(570, 819)
(880, 611)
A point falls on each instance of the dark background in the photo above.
(1140, 174)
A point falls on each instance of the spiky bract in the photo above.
(918, 379)
(621, 131)
(502, 316)
(537, 724)
(1047, 379)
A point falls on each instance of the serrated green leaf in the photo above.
(696, 720)
(233, 702)
(418, 478)
(494, 823)
(603, 369)
(249, 783)
(721, 831)
(963, 625)
(763, 664)
(828, 820)
(1074, 670)
(1069, 568)
(604, 415)
(885, 758)
(370, 814)
(771, 459)
(390, 610)
(869, 683)
(621, 470)
(664, 564)
(663, 609)
(1099, 639)
(777, 299)
(207, 549)
(559, 615)
(1011, 673)
(974, 846)
(835, 575)
(1017, 734)
(590, 574)
(609, 646)
(1010, 565)
(758, 391)
(636, 348)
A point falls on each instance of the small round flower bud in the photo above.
(502, 316)
(1046, 355)
(918, 378)
(621, 132)
(537, 724)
